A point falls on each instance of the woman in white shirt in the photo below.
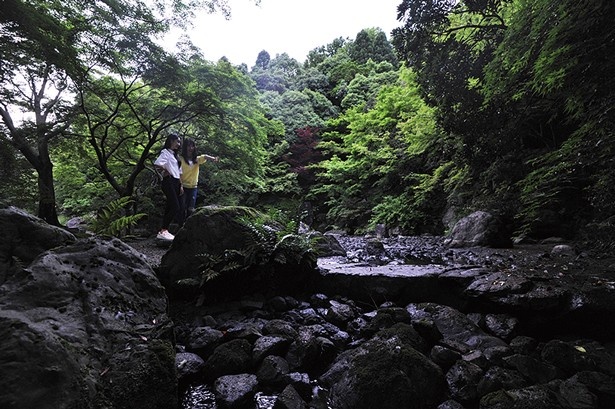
(169, 166)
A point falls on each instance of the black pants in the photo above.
(174, 207)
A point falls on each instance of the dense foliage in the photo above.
(498, 105)
(524, 89)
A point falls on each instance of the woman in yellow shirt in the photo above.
(190, 161)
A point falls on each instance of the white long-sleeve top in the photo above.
(167, 161)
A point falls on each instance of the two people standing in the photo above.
(179, 181)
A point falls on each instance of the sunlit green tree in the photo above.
(380, 166)
(49, 49)
(125, 123)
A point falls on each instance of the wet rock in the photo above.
(375, 252)
(319, 300)
(502, 325)
(203, 340)
(250, 330)
(278, 303)
(477, 358)
(359, 327)
(273, 371)
(235, 391)
(477, 365)
(339, 338)
(428, 330)
(269, 345)
(455, 326)
(495, 355)
(302, 384)
(305, 316)
(281, 328)
(327, 245)
(569, 358)
(574, 394)
(339, 313)
(600, 384)
(463, 378)
(450, 404)
(188, 365)
(500, 283)
(387, 317)
(524, 344)
(233, 357)
(289, 399)
(310, 351)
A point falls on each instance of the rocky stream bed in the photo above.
(409, 322)
(95, 322)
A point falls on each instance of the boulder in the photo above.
(479, 229)
(222, 253)
(230, 358)
(387, 372)
(24, 237)
(84, 324)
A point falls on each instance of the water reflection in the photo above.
(202, 397)
(199, 397)
(265, 401)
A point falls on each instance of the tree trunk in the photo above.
(47, 195)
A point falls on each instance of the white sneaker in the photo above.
(165, 235)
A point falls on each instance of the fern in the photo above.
(207, 266)
(110, 220)
(213, 265)
(264, 246)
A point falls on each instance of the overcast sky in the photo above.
(294, 27)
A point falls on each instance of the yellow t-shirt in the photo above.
(190, 172)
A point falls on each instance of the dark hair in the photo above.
(167, 145)
(189, 156)
(172, 137)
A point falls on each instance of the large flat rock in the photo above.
(547, 299)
